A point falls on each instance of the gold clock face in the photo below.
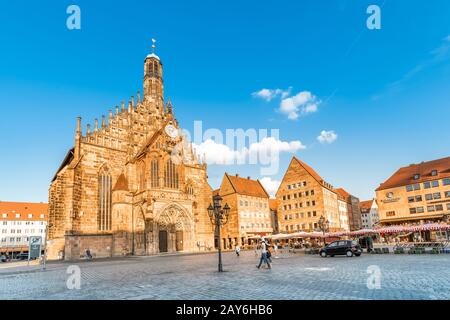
(171, 131)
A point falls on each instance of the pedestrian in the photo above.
(237, 250)
(88, 254)
(275, 250)
(269, 254)
(263, 255)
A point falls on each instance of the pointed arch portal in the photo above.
(175, 229)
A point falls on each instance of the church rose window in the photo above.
(104, 201)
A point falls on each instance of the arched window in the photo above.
(170, 175)
(104, 199)
(189, 188)
(155, 173)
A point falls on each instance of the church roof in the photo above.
(67, 159)
(121, 184)
(248, 187)
(152, 55)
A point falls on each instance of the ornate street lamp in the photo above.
(218, 217)
(324, 225)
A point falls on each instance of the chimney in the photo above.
(117, 110)
(248, 178)
(237, 175)
(103, 121)
(132, 101)
(123, 106)
(139, 97)
(95, 125)
(88, 128)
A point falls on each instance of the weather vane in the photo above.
(153, 45)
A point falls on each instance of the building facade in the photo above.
(250, 210)
(343, 213)
(131, 185)
(353, 209)
(303, 197)
(369, 214)
(273, 205)
(18, 222)
(416, 194)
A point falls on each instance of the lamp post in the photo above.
(323, 226)
(44, 262)
(218, 217)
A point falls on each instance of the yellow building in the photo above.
(304, 197)
(250, 212)
(418, 193)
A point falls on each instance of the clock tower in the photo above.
(153, 80)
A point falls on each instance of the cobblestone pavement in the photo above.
(194, 277)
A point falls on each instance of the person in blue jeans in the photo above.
(264, 255)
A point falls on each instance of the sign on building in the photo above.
(35, 248)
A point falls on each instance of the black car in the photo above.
(341, 247)
(22, 256)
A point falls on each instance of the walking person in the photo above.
(264, 255)
(237, 250)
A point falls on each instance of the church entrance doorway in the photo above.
(179, 240)
(162, 241)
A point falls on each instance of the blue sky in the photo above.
(385, 93)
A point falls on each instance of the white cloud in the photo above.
(272, 145)
(269, 94)
(270, 185)
(268, 147)
(327, 137)
(302, 103)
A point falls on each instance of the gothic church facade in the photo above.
(132, 185)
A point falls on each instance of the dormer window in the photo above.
(416, 176)
(434, 173)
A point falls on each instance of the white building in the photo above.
(369, 214)
(343, 214)
(18, 222)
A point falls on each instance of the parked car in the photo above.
(3, 258)
(342, 247)
(22, 256)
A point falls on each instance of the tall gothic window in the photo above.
(170, 175)
(141, 175)
(155, 173)
(104, 199)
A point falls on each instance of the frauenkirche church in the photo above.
(132, 184)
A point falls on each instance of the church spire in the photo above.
(169, 107)
(153, 79)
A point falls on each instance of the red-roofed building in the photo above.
(416, 194)
(250, 212)
(369, 214)
(19, 221)
(304, 196)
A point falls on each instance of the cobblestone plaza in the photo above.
(194, 277)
